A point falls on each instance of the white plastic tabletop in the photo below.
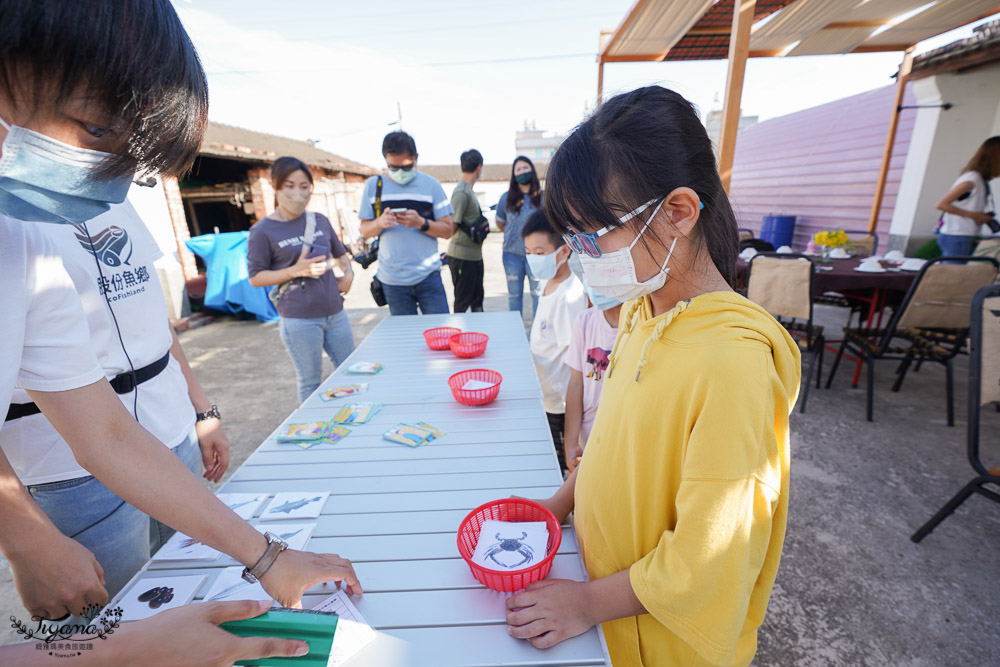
(394, 510)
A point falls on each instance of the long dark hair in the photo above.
(515, 198)
(986, 160)
(132, 56)
(637, 146)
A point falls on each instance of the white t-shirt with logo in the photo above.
(35, 293)
(551, 332)
(959, 225)
(126, 251)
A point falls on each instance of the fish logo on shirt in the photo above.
(598, 360)
(111, 246)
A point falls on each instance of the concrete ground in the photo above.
(852, 588)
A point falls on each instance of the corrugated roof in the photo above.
(491, 172)
(982, 47)
(247, 145)
(656, 30)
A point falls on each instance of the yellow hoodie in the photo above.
(684, 480)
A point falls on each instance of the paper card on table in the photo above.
(152, 595)
(244, 504)
(411, 436)
(293, 432)
(333, 393)
(356, 413)
(472, 385)
(230, 585)
(364, 368)
(335, 434)
(296, 534)
(182, 547)
(353, 631)
(294, 505)
(435, 432)
(508, 546)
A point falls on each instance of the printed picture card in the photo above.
(152, 595)
(472, 385)
(353, 631)
(294, 505)
(182, 547)
(508, 546)
(411, 436)
(230, 585)
(364, 368)
(244, 504)
(333, 393)
(296, 534)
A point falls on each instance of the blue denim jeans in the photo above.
(189, 453)
(954, 245)
(428, 294)
(516, 268)
(305, 338)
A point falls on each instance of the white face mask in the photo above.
(613, 273)
(544, 267)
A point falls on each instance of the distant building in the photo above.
(539, 145)
(229, 189)
(713, 123)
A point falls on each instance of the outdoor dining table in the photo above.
(394, 510)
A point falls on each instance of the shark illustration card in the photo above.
(296, 534)
(152, 595)
(294, 505)
(182, 547)
(244, 504)
(230, 585)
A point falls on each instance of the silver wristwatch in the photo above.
(275, 545)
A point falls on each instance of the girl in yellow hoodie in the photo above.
(681, 498)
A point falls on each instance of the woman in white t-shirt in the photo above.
(965, 207)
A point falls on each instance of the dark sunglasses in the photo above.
(408, 167)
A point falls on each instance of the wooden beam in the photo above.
(876, 48)
(739, 47)
(636, 58)
(890, 139)
(707, 31)
(600, 81)
(636, 8)
(855, 24)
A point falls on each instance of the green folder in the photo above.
(314, 627)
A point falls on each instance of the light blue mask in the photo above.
(45, 180)
(600, 301)
(544, 267)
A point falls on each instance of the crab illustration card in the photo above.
(508, 546)
(182, 547)
(244, 504)
(296, 534)
(230, 585)
(294, 505)
(152, 595)
(333, 393)
(411, 436)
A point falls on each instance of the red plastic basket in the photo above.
(508, 509)
(468, 345)
(437, 339)
(475, 396)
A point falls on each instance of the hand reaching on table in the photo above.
(549, 611)
(295, 572)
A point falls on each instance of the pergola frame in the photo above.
(739, 51)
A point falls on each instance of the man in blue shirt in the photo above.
(414, 214)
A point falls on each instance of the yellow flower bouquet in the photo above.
(831, 238)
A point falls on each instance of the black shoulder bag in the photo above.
(478, 229)
(378, 293)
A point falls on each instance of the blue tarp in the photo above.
(228, 286)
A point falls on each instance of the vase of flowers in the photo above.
(829, 239)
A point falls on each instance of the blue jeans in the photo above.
(953, 245)
(516, 268)
(189, 453)
(305, 338)
(428, 294)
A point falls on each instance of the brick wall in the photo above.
(261, 191)
(175, 206)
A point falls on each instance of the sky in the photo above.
(464, 74)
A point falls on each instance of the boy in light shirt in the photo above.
(593, 337)
(563, 297)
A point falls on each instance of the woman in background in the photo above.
(965, 208)
(514, 208)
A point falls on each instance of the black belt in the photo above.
(122, 384)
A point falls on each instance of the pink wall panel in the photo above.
(821, 165)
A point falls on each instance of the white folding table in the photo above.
(394, 510)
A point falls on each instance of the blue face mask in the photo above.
(544, 267)
(600, 301)
(45, 180)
